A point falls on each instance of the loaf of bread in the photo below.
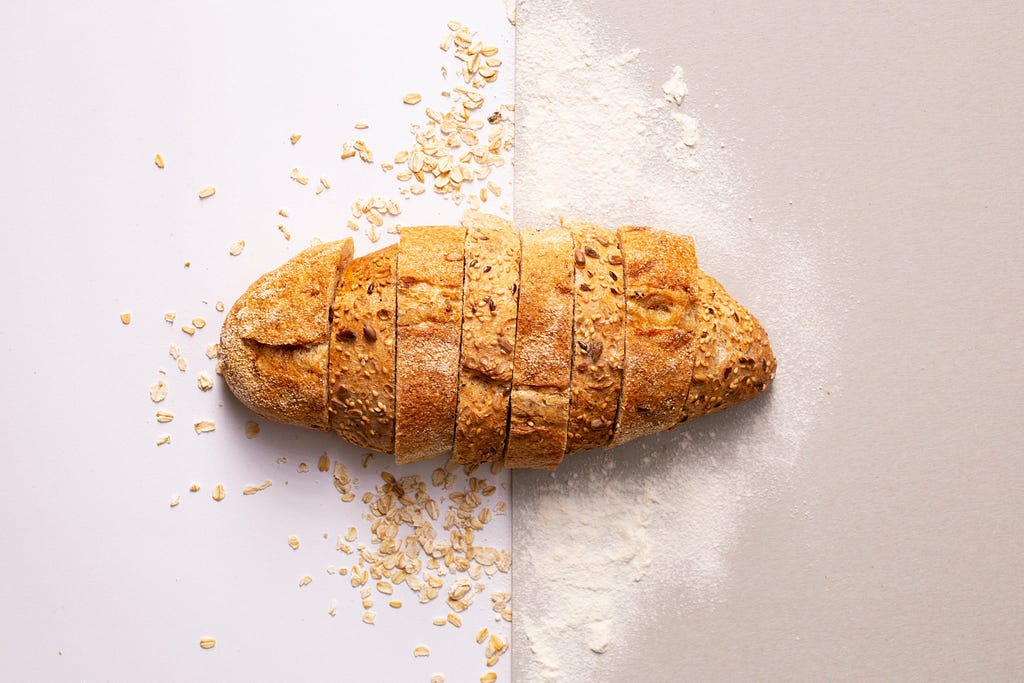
(492, 344)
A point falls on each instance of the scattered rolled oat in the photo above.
(282, 213)
(295, 137)
(333, 610)
(251, 429)
(126, 318)
(440, 621)
(199, 323)
(207, 192)
(207, 643)
(204, 382)
(169, 316)
(204, 426)
(437, 678)
(158, 391)
(163, 439)
(297, 176)
(284, 231)
(481, 635)
(369, 617)
(412, 98)
(218, 492)
(159, 160)
(455, 620)
(395, 604)
(212, 350)
(293, 542)
(176, 501)
(421, 651)
(324, 463)
(250, 490)
(305, 581)
(164, 416)
(194, 488)
(237, 248)
(489, 677)
(219, 306)
(302, 468)
(188, 329)
(361, 126)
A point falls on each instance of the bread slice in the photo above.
(275, 339)
(660, 270)
(733, 360)
(543, 351)
(430, 271)
(361, 367)
(599, 335)
(488, 336)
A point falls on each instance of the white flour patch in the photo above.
(613, 537)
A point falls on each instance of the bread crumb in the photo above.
(212, 350)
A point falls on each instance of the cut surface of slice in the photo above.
(362, 357)
(488, 335)
(543, 351)
(660, 270)
(429, 295)
(598, 336)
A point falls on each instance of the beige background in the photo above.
(896, 550)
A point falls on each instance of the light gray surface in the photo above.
(896, 549)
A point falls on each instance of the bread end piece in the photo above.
(733, 359)
(275, 339)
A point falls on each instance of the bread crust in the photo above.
(659, 270)
(543, 351)
(489, 313)
(429, 295)
(361, 364)
(599, 336)
(733, 360)
(274, 342)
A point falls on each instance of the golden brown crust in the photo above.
(430, 265)
(733, 359)
(488, 334)
(598, 336)
(543, 351)
(659, 269)
(274, 342)
(362, 354)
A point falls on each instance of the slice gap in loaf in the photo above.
(428, 337)
(362, 357)
(491, 277)
(543, 351)
(598, 336)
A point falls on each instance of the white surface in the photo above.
(103, 580)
